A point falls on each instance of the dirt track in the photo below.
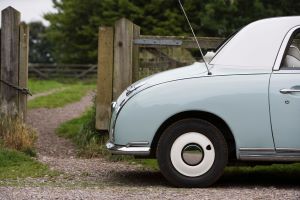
(101, 179)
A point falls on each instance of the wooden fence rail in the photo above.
(48, 71)
(14, 64)
(118, 60)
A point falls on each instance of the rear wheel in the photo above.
(192, 153)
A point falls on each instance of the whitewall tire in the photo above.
(192, 153)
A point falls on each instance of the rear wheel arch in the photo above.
(209, 117)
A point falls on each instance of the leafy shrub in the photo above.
(14, 134)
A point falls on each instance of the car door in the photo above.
(284, 97)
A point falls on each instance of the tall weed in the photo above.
(16, 135)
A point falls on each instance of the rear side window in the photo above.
(291, 59)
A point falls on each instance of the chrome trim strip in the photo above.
(124, 150)
(269, 154)
(137, 144)
(277, 158)
(256, 149)
(287, 150)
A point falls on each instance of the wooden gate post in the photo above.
(104, 77)
(135, 54)
(123, 59)
(23, 68)
(9, 60)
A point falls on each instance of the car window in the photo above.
(292, 55)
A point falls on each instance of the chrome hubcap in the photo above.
(192, 154)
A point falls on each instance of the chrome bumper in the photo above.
(128, 150)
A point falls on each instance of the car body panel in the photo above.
(146, 111)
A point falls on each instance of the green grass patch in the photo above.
(14, 165)
(59, 99)
(39, 86)
(83, 133)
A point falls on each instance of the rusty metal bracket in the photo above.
(163, 42)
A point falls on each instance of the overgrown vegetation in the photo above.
(16, 149)
(16, 135)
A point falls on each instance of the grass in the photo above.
(73, 93)
(16, 148)
(16, 135)
(82, 132)
(39, 86)
(14, 165)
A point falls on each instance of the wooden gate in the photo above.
(14, 64)
(119, 60)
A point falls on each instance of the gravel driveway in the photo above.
(102, 179)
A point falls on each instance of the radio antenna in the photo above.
(188, 21)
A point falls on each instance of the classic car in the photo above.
(245, 107)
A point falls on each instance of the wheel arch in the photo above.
(211, 118)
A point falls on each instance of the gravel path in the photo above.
(102, 179)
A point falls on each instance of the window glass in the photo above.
(292, 57)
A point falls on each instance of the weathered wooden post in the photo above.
(23, 68)
(9, 60)
(104, 77)
(135, 54)
(117, 66)
(125, 65)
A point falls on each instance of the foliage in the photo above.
(69, 93)
(14, 165)
(16, 135)
(73, 29)
(40, 50)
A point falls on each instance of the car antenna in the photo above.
(188, 21)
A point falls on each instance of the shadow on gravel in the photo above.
(141, 178)
(264, 179)
(236, 179)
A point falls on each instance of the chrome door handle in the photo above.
(288, 91)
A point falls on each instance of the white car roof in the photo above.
(257, 44)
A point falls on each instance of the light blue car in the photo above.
(246, 109)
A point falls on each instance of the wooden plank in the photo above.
(23, 68)
(135, 54)
(104, 77)
(187, 42)
(85, 72)
(122, 56)
(9, 60)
